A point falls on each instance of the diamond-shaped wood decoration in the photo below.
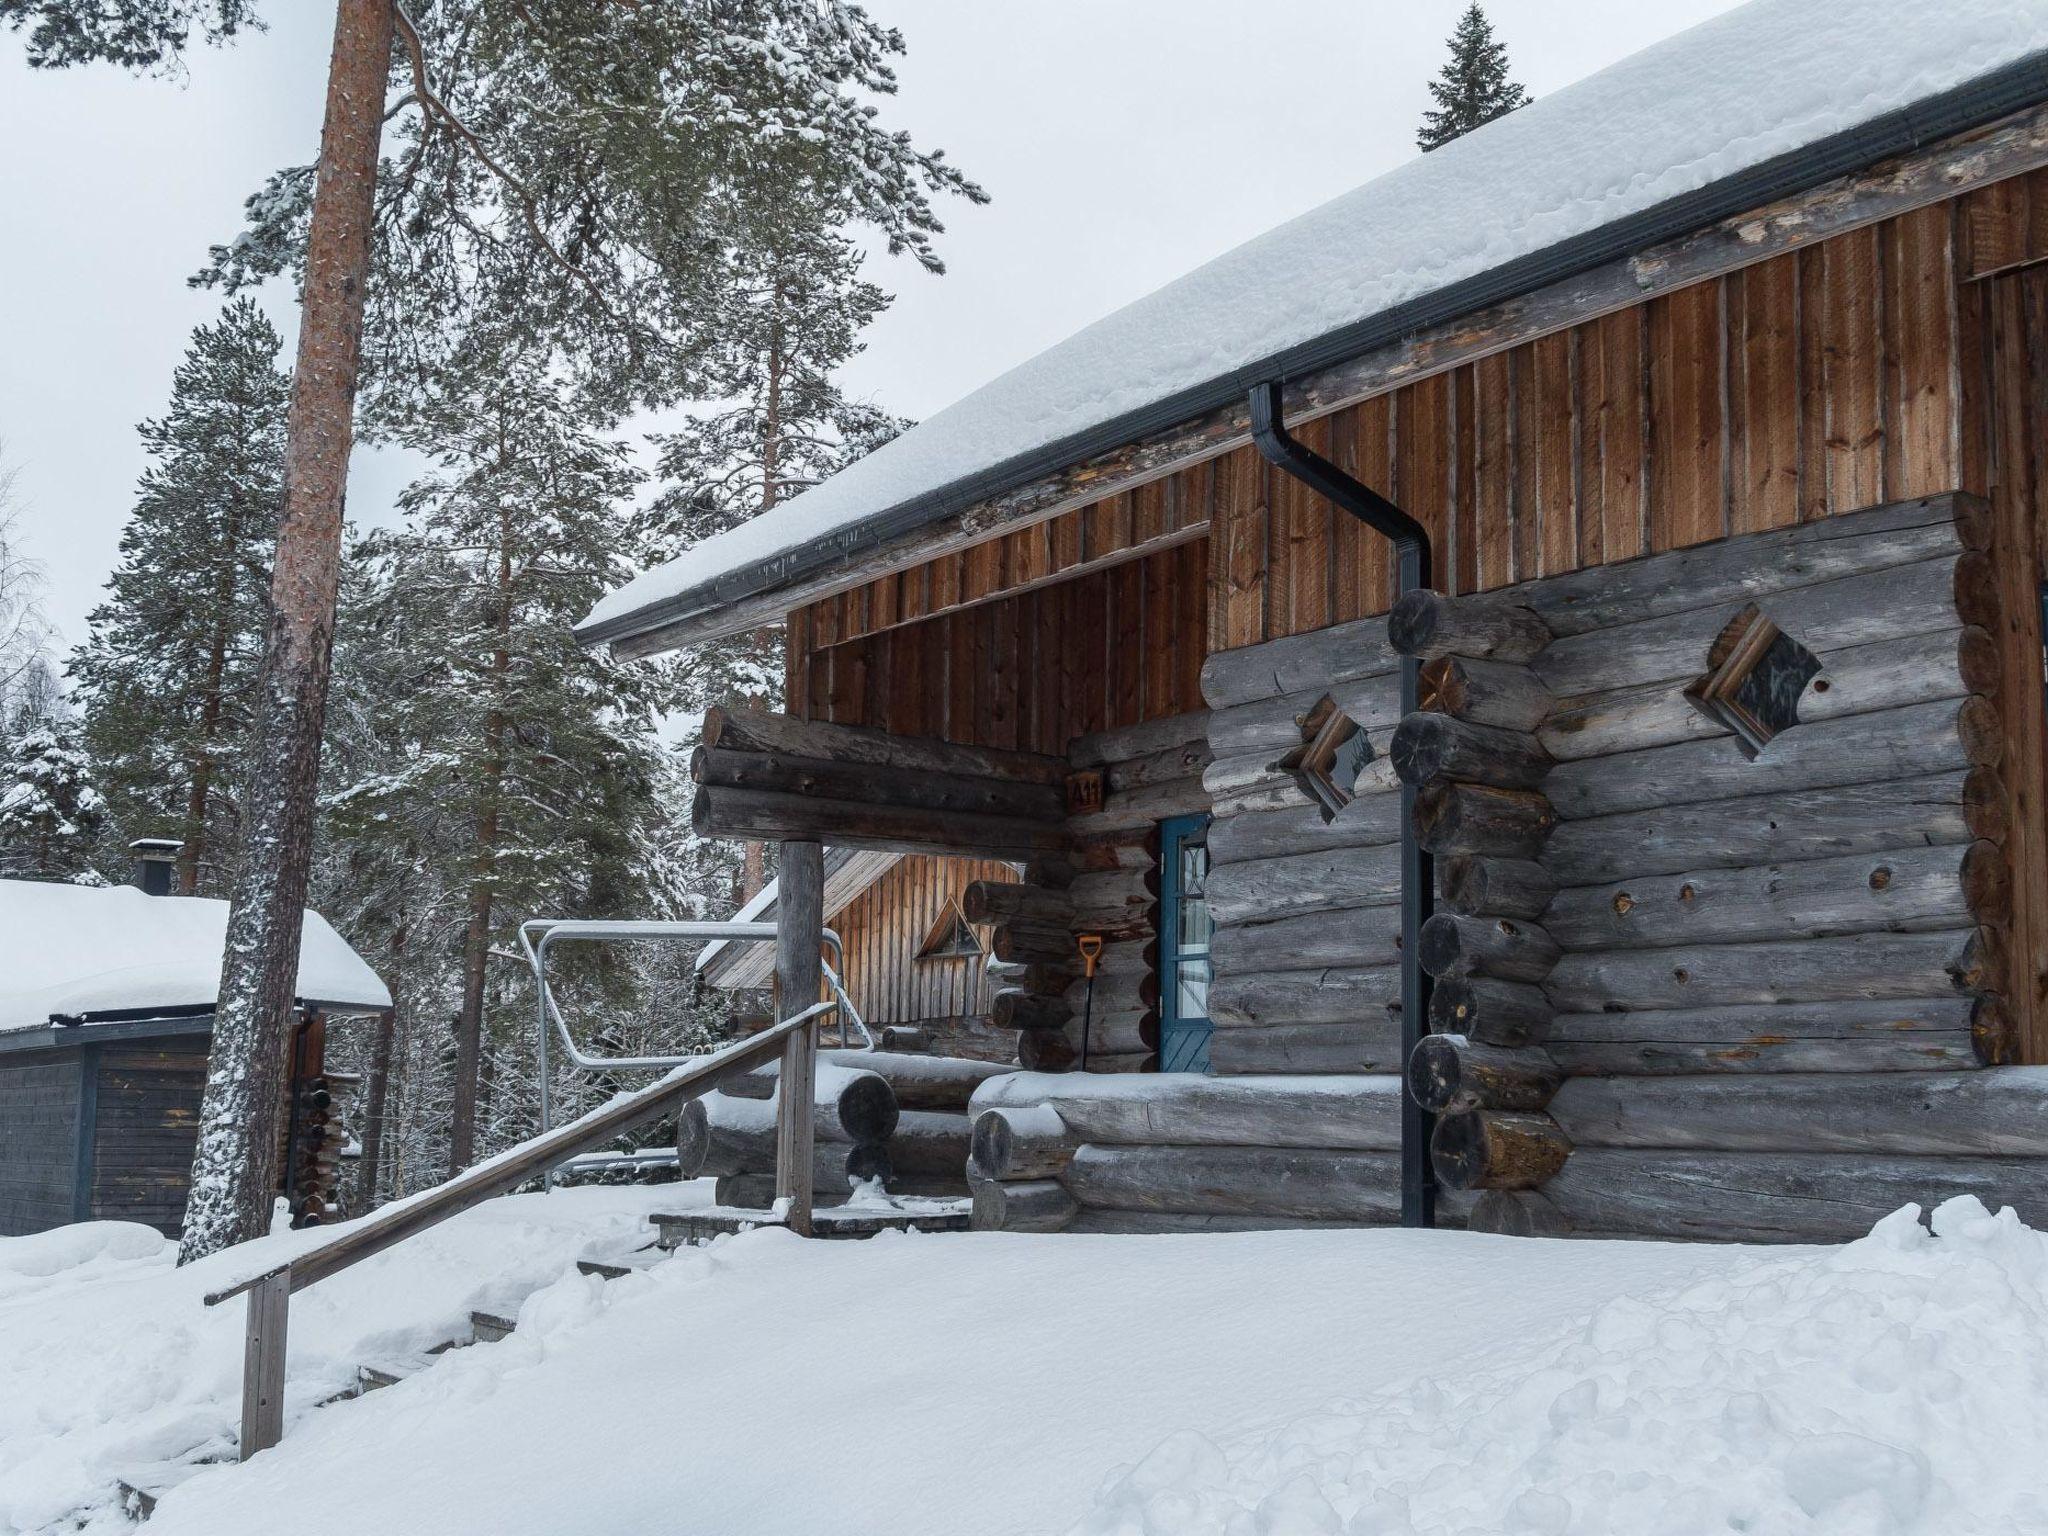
(1332, 754)
(1755, 676)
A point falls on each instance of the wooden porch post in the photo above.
(799, 933)
(263, 1364)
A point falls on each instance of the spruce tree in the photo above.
(524, 766)
(49, 809)
(1473, 87)
(165, 681)
(789, 319)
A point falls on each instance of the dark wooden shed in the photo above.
(106, 1015)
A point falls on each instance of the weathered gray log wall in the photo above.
(1759, 982)
(1307, 907)
(1181, 1152)
(1105, 882)
(1624, 895)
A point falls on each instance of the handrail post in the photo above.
(263, 1363)
(799, 959)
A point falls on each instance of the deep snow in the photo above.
(1728, 94)
(1373, 1383)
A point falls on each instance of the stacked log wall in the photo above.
(1773, 973)
(1105, 883)
(1306, 949)
(1181, 1152)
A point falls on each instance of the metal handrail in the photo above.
(270, 1290)
(637, 930)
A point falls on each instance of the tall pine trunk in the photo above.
(235, 1169)
(193, 852)
(476, 941)
(754, 855)
(377, 1084)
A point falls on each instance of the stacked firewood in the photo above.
(1473, 757)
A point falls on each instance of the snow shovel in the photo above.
(1091, 951)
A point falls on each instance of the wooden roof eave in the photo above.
(2008, 147)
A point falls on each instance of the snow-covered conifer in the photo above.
(1473, 87)
(164, 682)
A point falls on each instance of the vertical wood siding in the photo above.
(39, 1104)
(1114, 647)
(888, 923)
(2003, 358)
(146, 1127)
(1807, 385)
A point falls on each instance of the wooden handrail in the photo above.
(270, 1289)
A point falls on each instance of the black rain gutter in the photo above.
(2009, 89)
(1418, 875)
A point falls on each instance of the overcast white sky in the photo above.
(1123, 144)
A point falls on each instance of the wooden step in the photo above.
(489, 1327)
(686, 1228)
(602, 1270)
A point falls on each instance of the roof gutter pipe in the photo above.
(1418, 876)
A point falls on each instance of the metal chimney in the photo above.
(156, 860)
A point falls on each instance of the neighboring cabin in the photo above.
(915, 967)
(106, 1014)
(1714, 384)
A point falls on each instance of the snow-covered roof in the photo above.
(1764, 86)
(77, 951)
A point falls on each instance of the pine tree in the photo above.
(789, 320)
(1473, 87)
(49, 809)
(165, 681)
(561, 168)
(525, 768)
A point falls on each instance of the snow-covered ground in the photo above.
(1324, 1383)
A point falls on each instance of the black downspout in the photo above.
(1418, 878)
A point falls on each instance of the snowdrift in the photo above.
(1322, 1383)
(1898, 1384)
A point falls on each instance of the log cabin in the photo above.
(1532, 671)
(106, 1015)
(915, 967)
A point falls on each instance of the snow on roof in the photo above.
(1769, 79)
(75, 950)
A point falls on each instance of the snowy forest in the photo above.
(478, 767)
(711, 261)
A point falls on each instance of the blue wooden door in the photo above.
(1184, 929)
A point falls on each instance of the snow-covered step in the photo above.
(603, 1270)
(141, 1489)
(684, 1228)
(490, 1327)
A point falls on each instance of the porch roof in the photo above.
(1766, 101)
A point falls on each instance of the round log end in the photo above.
(1438, 947)
(1993, 1032)
(1045, 1050)
(693, 1139)
(1417, 750)
(1412, 622)
(1486, 1149)
(868, 1111)
(700, 812)
(1433, 1073)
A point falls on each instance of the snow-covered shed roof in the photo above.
(79, 953)
(1762, 102)
(848, 872)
